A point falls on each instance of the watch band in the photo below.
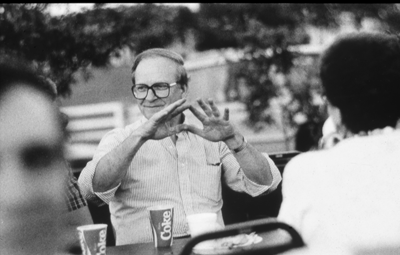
(241, 147)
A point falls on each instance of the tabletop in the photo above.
(270, 238)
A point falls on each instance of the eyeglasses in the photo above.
(160, 89)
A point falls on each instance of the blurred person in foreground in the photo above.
(78, 210)
(345, 199)
(164, 159)
(32, 168)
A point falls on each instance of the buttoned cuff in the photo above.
(108, 195)
(255, 189)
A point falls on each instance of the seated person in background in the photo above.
(164, 159)
(32, 167)
(346, 199)
(78, 210)
(307, 136)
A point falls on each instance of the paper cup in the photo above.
(162, 221)
(201, 223)
(93, 238)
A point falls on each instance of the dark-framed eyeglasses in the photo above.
(160, 89)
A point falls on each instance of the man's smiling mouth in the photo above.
(153, 106)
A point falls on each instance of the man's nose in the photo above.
(150, 95)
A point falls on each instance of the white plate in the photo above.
(227, 244)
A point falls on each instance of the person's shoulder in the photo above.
(307, 163)
(308, 157)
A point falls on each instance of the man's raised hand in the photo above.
(157, 127)
(215, 127)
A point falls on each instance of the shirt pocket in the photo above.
(206, 182)
(212, 173)
(213, 162)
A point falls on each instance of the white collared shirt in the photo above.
(345, 200)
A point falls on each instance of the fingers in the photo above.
(210, 110)
(178, 128)
(214, 109)
(226, 114)
(179, 110)
(197, 113)
(205, 108)
(190, 128)
(170, 108)
(163, 114)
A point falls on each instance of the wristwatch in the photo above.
(241, 147)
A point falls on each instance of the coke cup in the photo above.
(93, 238)
(161, 221)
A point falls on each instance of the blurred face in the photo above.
(158, 69)
(32, 173)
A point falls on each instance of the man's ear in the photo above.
(184, 90)
(336, 115)
(185, 87)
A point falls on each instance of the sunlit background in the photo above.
(67, 8)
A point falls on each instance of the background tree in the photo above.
(62, 46)
(265, 32)
(59, 47)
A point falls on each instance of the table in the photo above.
(271, 238)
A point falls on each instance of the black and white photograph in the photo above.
(199, 128)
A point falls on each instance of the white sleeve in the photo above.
(111, 140)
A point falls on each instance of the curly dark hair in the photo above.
(360, 75)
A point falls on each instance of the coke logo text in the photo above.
(83, 245)
(166, 226)
(102, 244)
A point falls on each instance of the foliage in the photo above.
(265, 32)
(53, 45)
(302, 96)
(326, 15)
(60, 46)
(226, 25)
(140, 27)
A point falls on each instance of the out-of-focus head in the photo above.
(32, 169)
(50, 88)
(159, 66)
(360, 75)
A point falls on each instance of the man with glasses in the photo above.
(164, 159)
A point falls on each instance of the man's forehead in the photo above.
(158, 61)
(28, 116)
(154, 68)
